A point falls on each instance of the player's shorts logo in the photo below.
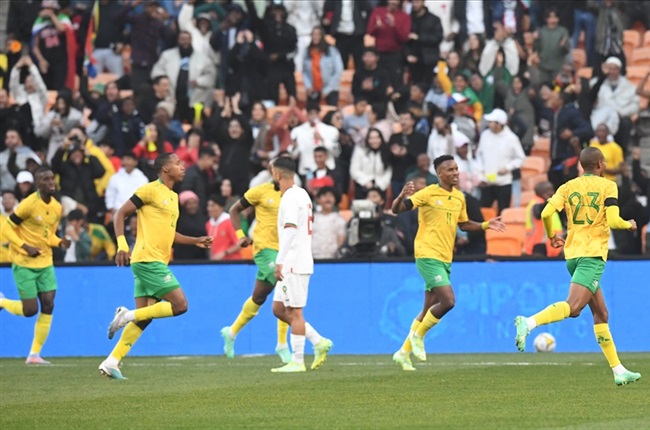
(438, 278)
(284, 288)
(167, 278)
(595, 284)
(272, 264)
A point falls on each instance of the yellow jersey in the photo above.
(5, 256)
(34, 223)
(158, 211)
(266, 201)
(100, 241)
(101, 183)
(440, 211)
(585, 200)
(613, 155)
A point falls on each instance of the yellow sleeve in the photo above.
(614, 220)
(144, 194)
(54, 241)
(547, 219)
(557, 223)
(443, 77)
(420, 198)
(559, 199)
(252, 196)
(478, 111)
(8, 233)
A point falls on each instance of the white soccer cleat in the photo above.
(119, 321)
(109, 371)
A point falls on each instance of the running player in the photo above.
(31, 232)
(591, 204)
(441, 210)
(294, 265)
(157, 292)
(266, 201)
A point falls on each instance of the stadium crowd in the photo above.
(363, 94)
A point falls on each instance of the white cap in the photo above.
(25, 176)
(460, 140)
(459, 98)
(498, 116)
(615, 61)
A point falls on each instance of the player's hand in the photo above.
(122, 258)
(32, 251)
(634, 227)
(204, 241)
(557, 241)
(65, 243)
(245, 241)
(497, 225)
(278, 272)
(408, 190)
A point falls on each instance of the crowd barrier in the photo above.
(365, 308)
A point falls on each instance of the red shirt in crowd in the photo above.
(223, 233)
(389, 38)
(149, 152)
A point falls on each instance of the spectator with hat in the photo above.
(191, 222)
(16, 154)
(24, 184)
(464, 122)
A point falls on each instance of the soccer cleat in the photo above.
(522, 333)
(110, 372)
(118, 322)
(228, 343)
(417, 343)
(284, 353)
(320, 352)
(404, 360)
(626, 377)
(290, 367)
(36, 359)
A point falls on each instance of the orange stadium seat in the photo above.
(635, 73)
(526, 197)
(506, 244)
(528, 183)
(514, 216)
(533, 165)
(585, 72)
(541, 147)
(646, 38)
(631, 40)
(641, 57)
(488, 213)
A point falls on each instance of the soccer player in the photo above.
(31, 232)
(265, 199)
(293, 267)
(591, 205)
(157, 292)
(441, 211)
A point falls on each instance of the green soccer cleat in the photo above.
(417, 343)
(290, 367)
(522, 333)
(404, 360)
(626, 377)
(228, 342)
(110, 372)
(320, 352)
(284, 353)
(36, 359)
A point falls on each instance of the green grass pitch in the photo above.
(448, 391)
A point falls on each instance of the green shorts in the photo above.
(434, 272)
(586, 271)
(265, 262)
(30, 282)
(153, 279)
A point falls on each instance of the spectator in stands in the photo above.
(24, 184)
(126, 127)
(370, 80)
(536, 242)
(78, 137)
(471, 242)
(304, 16)
(553, 45)
(190, 76)
(472, 57)
(441, 140)
(460, 87)
(123, 184)
(604, 113)
(310, 135)
(261, 152)
(149, 147)
(584, 16)
(102, 247)
(21, 17)
(14, 116)
(421, 170)
(27, 87)
(371, 165)
(200, 177)
(102, 108)
(405, 147)
(225, 245)
(628, 242)
(188, 151)
(346, 147)
(322, 176)
(329, 227)
(149, 100)
(609, 35)
(131, 230)
(75, 230)
(17, 154)
(226, 191)
(499, 153)
(569, 128)
(346, 20)
(169, 128)
(191, 222)
(109, 38)
(235, 141)
(8, 204)
(358, 120)
(322, 69)
(247, 71)
(424, 40)
(280, 42)
(640, 177)
(57, 123)
(278, 138)
(147, 30)
(200, 29)
(469, 170)
(107, 147)
(620, 94)
(390, 26)
(503, 44)
(611, 150)
(377, 119)
(460, 116)
(223, 38)
(436, 99)
(521, 111)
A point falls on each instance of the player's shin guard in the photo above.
(130, 335)
(14, 307)
(553, 313)
(406, 346)
(427, 324)
(604, 338)
(248, 312)
(158, 310)
(41, 331)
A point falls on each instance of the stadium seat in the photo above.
(646, 39)
(345, 96)
(631, 40)
(488, 213)
(636, 73)
(533, 165)
(585, 72)
(579, 58)
(542, 148)
(528, 183)
(247, 253)
(347, 76)
(641, 57)
(526, 197)
(514, 216)
(506, 244)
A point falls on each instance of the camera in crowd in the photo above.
(364, 230)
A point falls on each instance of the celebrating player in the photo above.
(157, 292)
(441, 210)
(294, 265)
(31, 231)
(591, 204)
(266, 201)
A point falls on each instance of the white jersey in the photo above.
(296, 209)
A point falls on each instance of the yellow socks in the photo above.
(14, 307)
(406, 346)
(283, 329)
(555, 312)
(159, 310)
(427, 323)
(604, 338)
(41, 330)
(248, 312)
(129, 336)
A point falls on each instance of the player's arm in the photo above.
(555, 204)
(402, 203)
(613, 215)
(492, 224)
(9, 233)
(235, 218)
(122, 257)
(201, 241)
